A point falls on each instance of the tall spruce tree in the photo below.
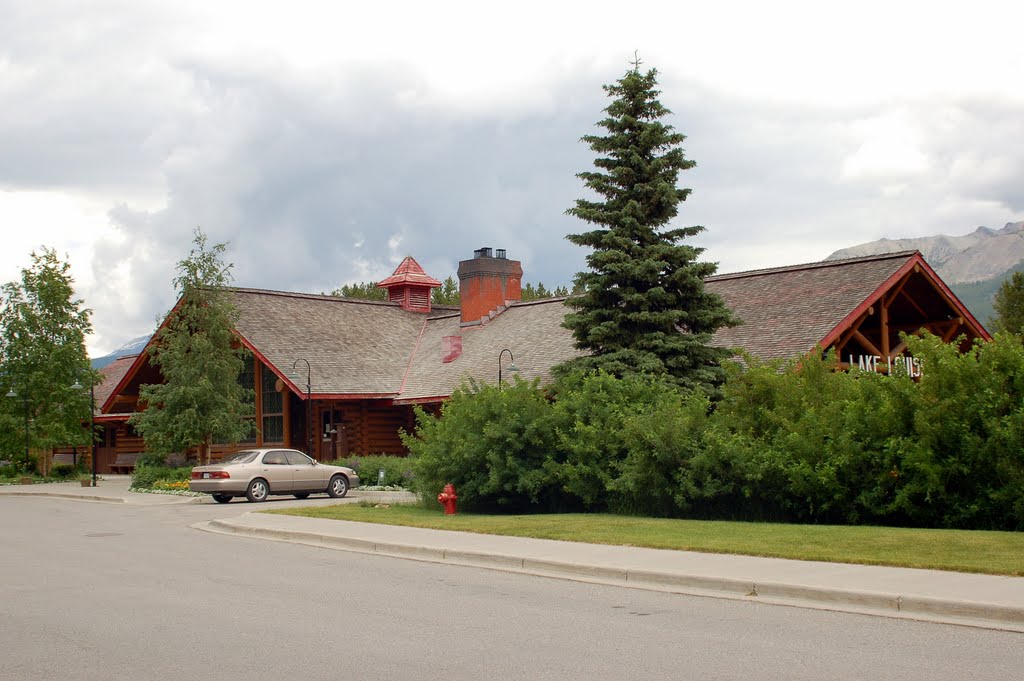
(201, 400)
(643, 306)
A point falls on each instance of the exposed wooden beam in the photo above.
(895, 291)
(848, 334)
(953, 328)
(868, 345)
(914, 303)
(885, 330)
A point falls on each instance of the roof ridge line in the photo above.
(812, 265)
(310, 296)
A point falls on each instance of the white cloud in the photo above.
(311, 136)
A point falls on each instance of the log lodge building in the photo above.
(369, 362)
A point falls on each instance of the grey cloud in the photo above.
(310, 175)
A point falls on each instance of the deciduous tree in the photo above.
(201, 400)
(42, 355)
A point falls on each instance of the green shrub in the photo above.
(798, 441)
(490, 442)
(147, 477)
(66, 470)
(815, 441)
(151, 459)
(964, 465)
(622, 443)
(397, 470)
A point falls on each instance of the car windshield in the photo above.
(242, 457)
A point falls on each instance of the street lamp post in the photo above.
(92, 425)
(24, 399)
(511, 367)
(309, 403)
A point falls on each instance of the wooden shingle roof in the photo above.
(532, 332)
(375, 349)
(409, 272)
(112, 375)
(786, 311)
(354, 347)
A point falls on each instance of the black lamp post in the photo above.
(24, 399)
(309, 403)
(511, 367)
(92, 426)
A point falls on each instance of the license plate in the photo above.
(205, 476)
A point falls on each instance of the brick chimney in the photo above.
(487, 283)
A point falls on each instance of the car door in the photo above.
(277, 471)
(306, 476)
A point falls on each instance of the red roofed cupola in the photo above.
(410, 286)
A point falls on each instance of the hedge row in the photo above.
(797, 442)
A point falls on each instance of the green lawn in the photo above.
(1000, 553)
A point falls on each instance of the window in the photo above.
(272, 408)
(299, 459)
(247, 379)
(275, 459)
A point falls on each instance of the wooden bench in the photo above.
(124, 463)
(65, 457)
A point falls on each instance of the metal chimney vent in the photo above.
(500, 253)
(484, 252)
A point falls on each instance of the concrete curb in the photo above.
(157, 500)
(876, 603)
(65, 495)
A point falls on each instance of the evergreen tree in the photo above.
(1009, 305)
(366, 290)
(447, 293)
(643, 307)
(201, 400)
(42, 355)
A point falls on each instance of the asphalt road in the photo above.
(110, 591)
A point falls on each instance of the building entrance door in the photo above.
(332, 438)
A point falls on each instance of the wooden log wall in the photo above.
(372, 427)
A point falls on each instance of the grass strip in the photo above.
(997, 553)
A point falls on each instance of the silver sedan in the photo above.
(258, 473)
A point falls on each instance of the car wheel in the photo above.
(222, 498)
(257, 490)
(304, 495)
(338, 487)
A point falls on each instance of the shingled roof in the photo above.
(354, 347)
(532, 332)
(112, 375)
(376, 349)
(409, 272)
(786, 311)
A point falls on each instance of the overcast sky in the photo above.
(324, 141)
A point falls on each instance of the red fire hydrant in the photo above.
(448, 497)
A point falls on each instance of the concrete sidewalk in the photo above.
(931, 595)
(949, 597)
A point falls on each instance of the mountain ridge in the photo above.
(132, 347)
(973, 265)
(983, 254)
